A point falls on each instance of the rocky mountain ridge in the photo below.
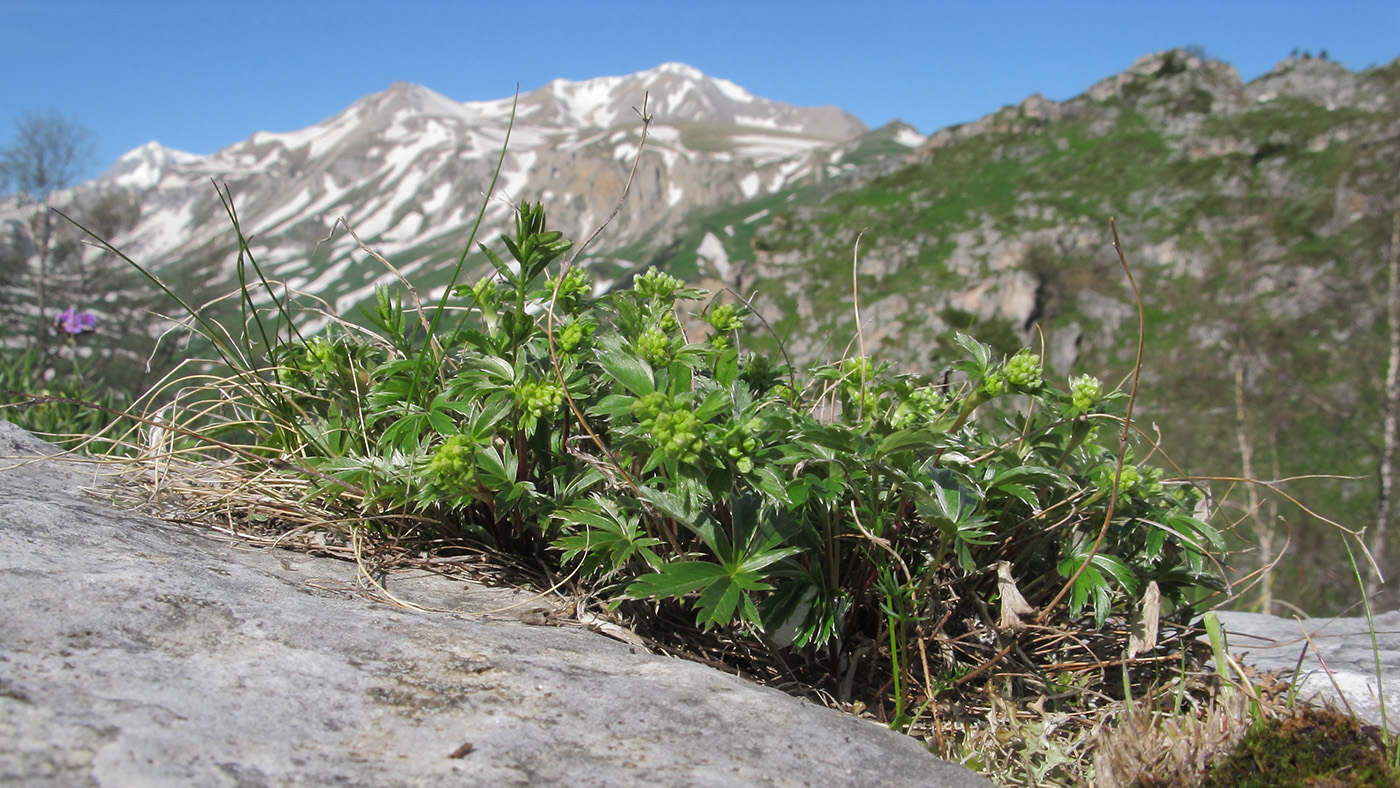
(408, 169)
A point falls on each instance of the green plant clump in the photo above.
(849, 517)
(68, 409)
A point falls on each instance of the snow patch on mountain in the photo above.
(666, 134)
(749, 185)
(712, 251)
(909, 137)
(767, 149)
(767, 123)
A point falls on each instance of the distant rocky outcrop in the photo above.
(138, 652)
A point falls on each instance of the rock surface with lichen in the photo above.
(139, 652)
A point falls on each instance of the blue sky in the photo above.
(199, 75)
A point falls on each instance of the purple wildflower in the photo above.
(71, 321)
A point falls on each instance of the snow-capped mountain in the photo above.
(408, 169)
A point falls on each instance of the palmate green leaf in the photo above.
(1152, 545)
(742, 561)
(722, 592)
(1092, 582)
(405, 433)
(836, 438)
(488, 421)
(771, 484)
(388, 317)
(981, 354)
(726, 366)
(951, 501)
(912, 439)
(610, 539)
(633, 373)
(491, 468)
(672, 505)
(802, 611)
(677, 579)
(438, 418)
(1022, 481)
(716, 402)
(495, 369)
(717, 603)
(613, 406)
(1194, 532)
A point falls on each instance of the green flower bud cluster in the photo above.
(654, 284)
(1084, 392)
(654, 346)
(854, 370)
(994, 383)
(539, 398)
(290, 375)
(855, 375)
(741, 442)
(922, 406)
(317, 357)
(577, 285)
(322, 355)
(675, 431)
(725, 318)
(1023, 370)
(573, 335)
(648, 407)
(453, 465)
(1103, 477)
(678, 433)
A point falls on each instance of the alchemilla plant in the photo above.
(848, 517)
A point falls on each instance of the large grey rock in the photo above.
(134, 652)
(1343, 645)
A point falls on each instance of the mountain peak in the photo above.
(679, 69)
(677, 93)
(142, 167)
(417, 99)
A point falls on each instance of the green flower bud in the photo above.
(725, 317)
(655, 285)
(1023, 370)
(539, 398)
(453, 464)
(648, 407)
(994, 384)
(654, 346)
(1084, 392)
(573, 335)
(1103, 477)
